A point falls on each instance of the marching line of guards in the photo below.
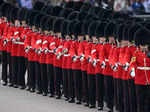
(78, 55)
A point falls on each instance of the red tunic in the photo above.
(87, 52)
(42, 46)
(122, 54)
(20, 51)
(98, 56)
(107, 57)
(9, 36)
(91, 68)
(17, 33)
(74, 52)
(2, 27)
(115, 60)
(29, 43)
(141, 63)
(59, 46)
(49, 55)
(66, 47)
(36, 56)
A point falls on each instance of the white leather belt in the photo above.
(77, 56)
(20, 43)
(97, 60)
(106, 60)
(143, 68)
(50, 51)
(66, 55)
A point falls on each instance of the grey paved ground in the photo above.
(16, 100)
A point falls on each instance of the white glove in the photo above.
(82, 57)
(46, 51)
(27, 49)
(65, 50)
(18, 39)
(58, 55)
(39, 51)
(115, 67)
(74, 58)
(94, 62)
(5, 42)
(55, 50)
(13, 40)
(103, 65)
(132, 72)
(89, 59)
(126, 66)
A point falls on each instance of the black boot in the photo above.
(44, 94)
(28, 88)
(10, 85)
(58, 97)
(78, 102)
(66, 98)
(86, 104)
(91, 106)
(32, 90)
(51, 95)
(71, 100)
(100, 108)
(15, 86)
(22, 87)
(4, 84)
(39, 92)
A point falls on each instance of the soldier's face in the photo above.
(51, 32)
(67, 37)
(87, 37)
(124, 43)
(102, 39)
(144, 48)
(94, 39)
(40, 30)
(80, 38)
(73, 37)
(23, 23)
(33, 28)
(17, 23)
(111, 40)
(46, 32)
(58, 34)
(5, 19)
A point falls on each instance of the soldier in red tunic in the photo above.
(30, 51)
(43, 36)
(49, 57)
(76, 65)
(64, 53)
(21, 52)
(92, 65)
(3, 42)
(85, 52)
(100, 64)
(71, 86)
(107, 70)
(57, 46)
(128, 56)
(16, 45)
(140, 69)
